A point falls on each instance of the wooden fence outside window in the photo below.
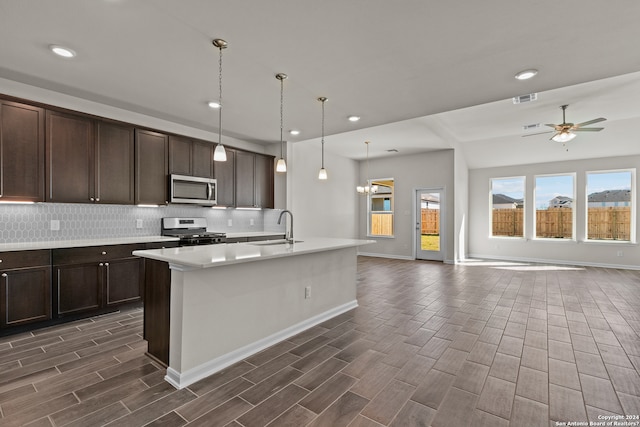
(604, 223)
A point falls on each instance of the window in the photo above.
(609, 205)
(555, 199)
(507, 203)
(380, 208)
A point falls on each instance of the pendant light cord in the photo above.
(281, 114)
(322, 142)
(220, 96)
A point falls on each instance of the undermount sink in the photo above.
(274, 242)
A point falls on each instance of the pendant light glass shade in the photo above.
(323, 172)
(219, 154)
(281, 165)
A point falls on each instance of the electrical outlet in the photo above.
(620, 253)
(55, 225)
(138, 223)
(229, 223)
(307, 292)
(251, 221)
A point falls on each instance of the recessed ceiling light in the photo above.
(214, 104)
(294, 132)
(526, 74)
(65, 52)
(353, 118)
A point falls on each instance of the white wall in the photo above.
(427, 170)
(461, 241)
(579, 252)
(321, 208)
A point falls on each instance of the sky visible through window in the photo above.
(549, 187)
(512, 187)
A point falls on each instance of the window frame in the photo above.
(524, 206)
(632, 226)
(371, 212)
(573, 237)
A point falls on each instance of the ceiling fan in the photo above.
(564, 132)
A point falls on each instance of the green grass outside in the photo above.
(430, 242)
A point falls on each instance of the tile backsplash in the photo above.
(34, 223)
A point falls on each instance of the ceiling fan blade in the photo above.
(551, 125)
(587, 130)
(590, 122)
(538, 133)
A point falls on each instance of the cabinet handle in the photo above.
(101, 264)
(104, 253)
(4, 275)
(91, 198)
(97, 199)
(107, 264)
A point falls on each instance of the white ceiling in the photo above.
(422, 74)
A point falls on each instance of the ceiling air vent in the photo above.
(531, 126)
(525, 98)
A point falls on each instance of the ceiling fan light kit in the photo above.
(565, 132)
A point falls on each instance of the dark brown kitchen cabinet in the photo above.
(245, 178)
(264, 181)
(190, 157)
(115, 163)
(225, 175)
(25, 287)
(152, 166)
(254, 180)
(95, 278)
(21, 152)
(89, 161)
(70, 158)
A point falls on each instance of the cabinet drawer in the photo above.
(93, 253)
(20, 259)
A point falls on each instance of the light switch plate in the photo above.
(229, 223)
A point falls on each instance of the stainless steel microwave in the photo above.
(194, 190)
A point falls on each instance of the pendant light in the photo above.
(366, 189)
(219, 154)
(323, 172)
(281, 165)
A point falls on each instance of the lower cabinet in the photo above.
(25, 287)
(94, 278)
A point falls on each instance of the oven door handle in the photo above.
(208, 191)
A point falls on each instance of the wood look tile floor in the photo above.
(478, 344)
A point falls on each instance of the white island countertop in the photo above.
(206, 256)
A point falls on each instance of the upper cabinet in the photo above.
(254, 180)
(70, 156)
(190, 157)
(225, 175)
(152, 166)
(115, 164)
(21, 152)
(88, 161)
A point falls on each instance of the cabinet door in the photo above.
(124, 278)
(180, 155)
(78, 288)
(245, 177)
(70, 143)
(225, 174)
(202, 156)
(264, 181)
(115, 162)
(21, 152)
(151, 167)
(25, 296)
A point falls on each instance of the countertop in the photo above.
(55, 244)
(241, 234)
(206, 256)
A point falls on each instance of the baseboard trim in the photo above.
(376, 255)
(552, 261)
(185, 379)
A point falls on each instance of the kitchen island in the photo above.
(226, 302)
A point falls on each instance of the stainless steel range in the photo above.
(191, 231)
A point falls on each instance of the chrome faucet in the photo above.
(290, 236)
